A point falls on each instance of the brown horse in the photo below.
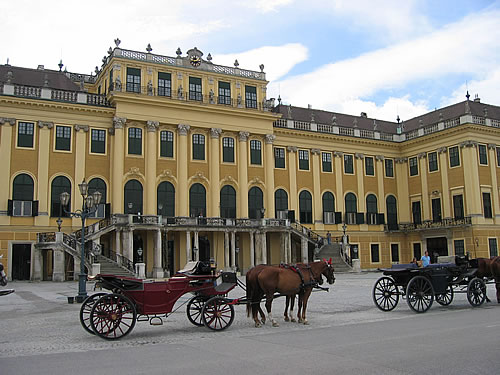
(490, 268)
(288, 282)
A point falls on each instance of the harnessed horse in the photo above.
(490, 268)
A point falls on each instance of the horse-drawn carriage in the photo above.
(421, 286)
(113, 315)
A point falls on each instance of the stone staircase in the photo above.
(333, 251)
(112, 268)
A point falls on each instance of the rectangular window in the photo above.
(198, 147)
(304, 160)
(374, 249)
(487, 205)
(166, 144)
(98, 141)
(416, 212)
(63, 138)
(164, 84)
(255, 152)
(348, 164)
(326, 159)
(459, 247)
(25, 132)
(389, 167)
(417, 250)
(354, 251)
(436, 210)
(395, 253)
(224, 93)
(369, 167)
(135, 141)
(228, 150)
(250, 96)
(279, 157)
(492, 242)
(454, 156)
(22, 208)
(133, 80)
(433, 161)
(195, 89)
(413, 166)
(458, 206)
(483, 155)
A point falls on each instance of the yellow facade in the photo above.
(211, 133)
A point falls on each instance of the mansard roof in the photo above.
(36, 77)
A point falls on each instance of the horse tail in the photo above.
(250, 291)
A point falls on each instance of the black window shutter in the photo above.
(34, 208)
(338, 217)
(9, 207)
(107, 210)
(380, 219)
(360, 218)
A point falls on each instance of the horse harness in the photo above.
(312, 283)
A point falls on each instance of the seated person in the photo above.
(426, 259)
(414, 261)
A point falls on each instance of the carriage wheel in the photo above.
(476, 292)
(419, 294)
(113, 316)
(85, 311)
(217, 313)
(194, 310)
(446, 298)
(385, 294)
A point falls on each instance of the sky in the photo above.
(384, 57)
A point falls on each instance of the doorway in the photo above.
(21, 261)
(204, 249)
(437, 246)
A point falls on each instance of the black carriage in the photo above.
(420, 286)
(113, 315)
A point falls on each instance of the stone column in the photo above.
(243, 174)
(339, 187)
(157, 267)
(189, 255)
(182, 171)
(226, 250)
(269, 172)
(292, 172)
(426, 211)
(264, 248)
(6, 127)
(58, 271)
(252, 249)
(117, 159)
(303, 248)
(214, 174)
(445, 195)
(317, 199)
(43, 173)
(36, 273)
(289, 247)
(151, 152)
(118, 244)
(130, 245)
(196, 246)
(233, 250)
(81, 132)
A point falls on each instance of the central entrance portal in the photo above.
(437, 246)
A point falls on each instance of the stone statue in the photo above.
(150, 88)
(211, 96)
(118, 84)
(180, 93)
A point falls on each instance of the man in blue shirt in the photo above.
(426, 260)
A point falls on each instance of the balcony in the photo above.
(429, 225)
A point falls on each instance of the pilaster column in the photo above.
(471, 178)
(189, 255)
(118, 244)
(58, 270)
(43, 172)
(258, 248)
(264, 248)
(252, 249)
(157, 268)
(130, 245)
(292, 172)
(494, 182)
(339, 186)
(401, 165)
(243, 174)
(226, 250)
(150, 191)
(379, 165)
(445, 195)
(269, 172)
(360, 181)
(182, 171)
(214, 174)
(81, 132)
(6, 127)
(422, 161)
(317, 201)
(196, 246)
(303, 248)
(289, 247)
(233, 250)
(117, 160)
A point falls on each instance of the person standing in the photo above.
(426, 259)
(328, 237)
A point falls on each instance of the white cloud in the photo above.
(488, 89)
(266, 6)
(469, 46)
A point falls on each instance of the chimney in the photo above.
(363, 114)
(309, 106)
(477, 99)
(40, 67)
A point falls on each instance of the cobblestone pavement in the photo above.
(37, 318)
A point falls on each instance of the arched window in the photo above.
(133, 197)
(371, 209)
(59, 184)
(255, 203)
(392, 212)
(351, 208)
(281, 204)
(166, 199)
(328, 208)
(22, 196)
(228, 202)
(97, 184)
(197, 200)
(305, 207)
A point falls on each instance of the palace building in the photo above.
(194, 162)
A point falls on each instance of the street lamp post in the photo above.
(89, 207)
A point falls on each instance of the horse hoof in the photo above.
(258, 325)
(306, 323)
(287, 319)
(276, 324)
(293, 320)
